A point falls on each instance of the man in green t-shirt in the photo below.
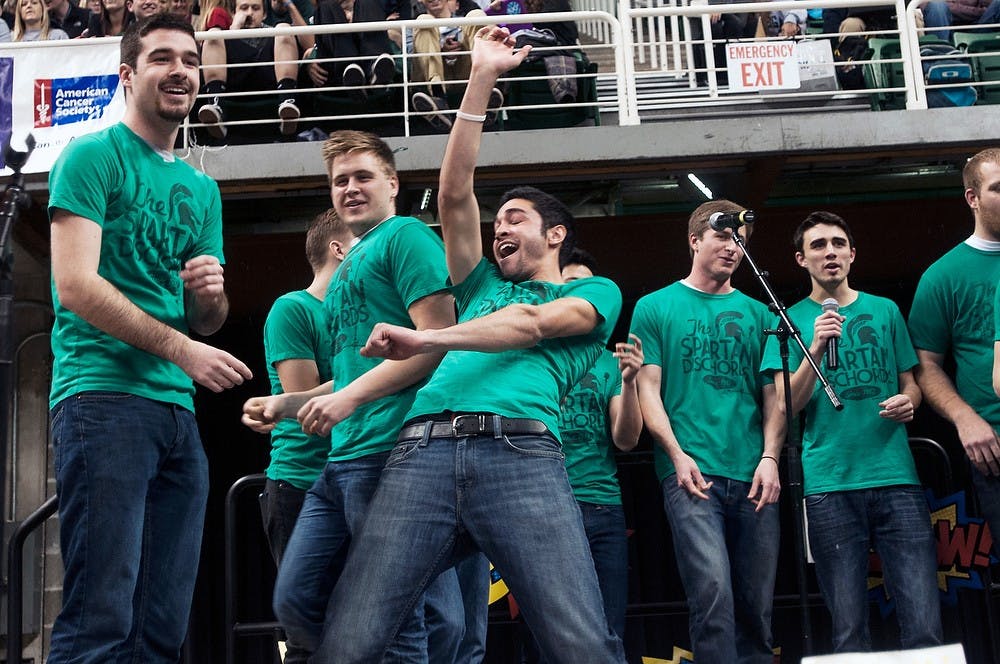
(718, 435)
(297, 350)
(136, 263)
(861, 486)
(478, 464)
(953, 311)
(395, 271)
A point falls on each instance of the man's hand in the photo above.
(980, 443)
(393, 342)
(765, 487)
(689, 476)
(202, 276)
(240, 19)
(828, 325)
(262, 413)
(789, 29)
(211, 367)
(897, 408)
(317, 74)
(321, 414)
(630, 358)
(493, 50)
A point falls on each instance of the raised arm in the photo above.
(458, 209)
(975, 433)
(514, 326)
(76, 252)
(624, 410)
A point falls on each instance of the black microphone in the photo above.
(830, 304)
(721, 220)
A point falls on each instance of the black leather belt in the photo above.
(474, 424)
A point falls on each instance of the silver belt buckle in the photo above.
(457, 420)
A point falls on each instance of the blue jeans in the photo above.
(605, 529)
(727, 555)
(843, 526)
(332, 513)
(938, 15)
(988, 495)
(132, 480)
(438, 498)
(280, 504)
(474, 582)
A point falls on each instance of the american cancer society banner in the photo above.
(57, 93)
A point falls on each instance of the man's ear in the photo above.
(556, 234)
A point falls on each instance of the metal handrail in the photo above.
(15, 569)
(233, 628)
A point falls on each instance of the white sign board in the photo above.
(764, 65)
(57, 93)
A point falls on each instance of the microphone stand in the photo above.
(14, 200)
(793, 445)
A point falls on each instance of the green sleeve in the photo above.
(84, 179)
(416, 257)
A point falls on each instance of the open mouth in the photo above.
(181, 90)
(505, 249)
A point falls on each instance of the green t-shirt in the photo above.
(953, 308)
(708, 348)
(854, 448)
(395, 264)
(528, 383)
(296, 329)
(586, 434)
(155, 215)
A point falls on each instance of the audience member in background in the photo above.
(279, 69)
(182, 9)
(439, 55)
(946, 13)
(31, 23)
(7, 13)
(292, 12)
(215, 15)
(295, 13)
(359, 59)
(113, 18)
(94, 6)
(785, 23)
(4, 32)
(68, 17)
(724, 26)
(143, 9)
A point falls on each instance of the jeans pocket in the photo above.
(401, 452)
(816, 499)
(536, 446)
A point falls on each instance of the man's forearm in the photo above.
(390, 377)
(206, 317)
(97, 301)
(941, 394)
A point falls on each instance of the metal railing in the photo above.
(647, 67)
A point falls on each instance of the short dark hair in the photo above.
(131, 44)
(552, 212)
(972, 173)
(323, 229)
(580, 257)
(817, 218)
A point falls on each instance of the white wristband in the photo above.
(462, 115)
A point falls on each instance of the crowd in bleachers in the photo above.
(260, 89)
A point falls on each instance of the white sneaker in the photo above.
(289, 114)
